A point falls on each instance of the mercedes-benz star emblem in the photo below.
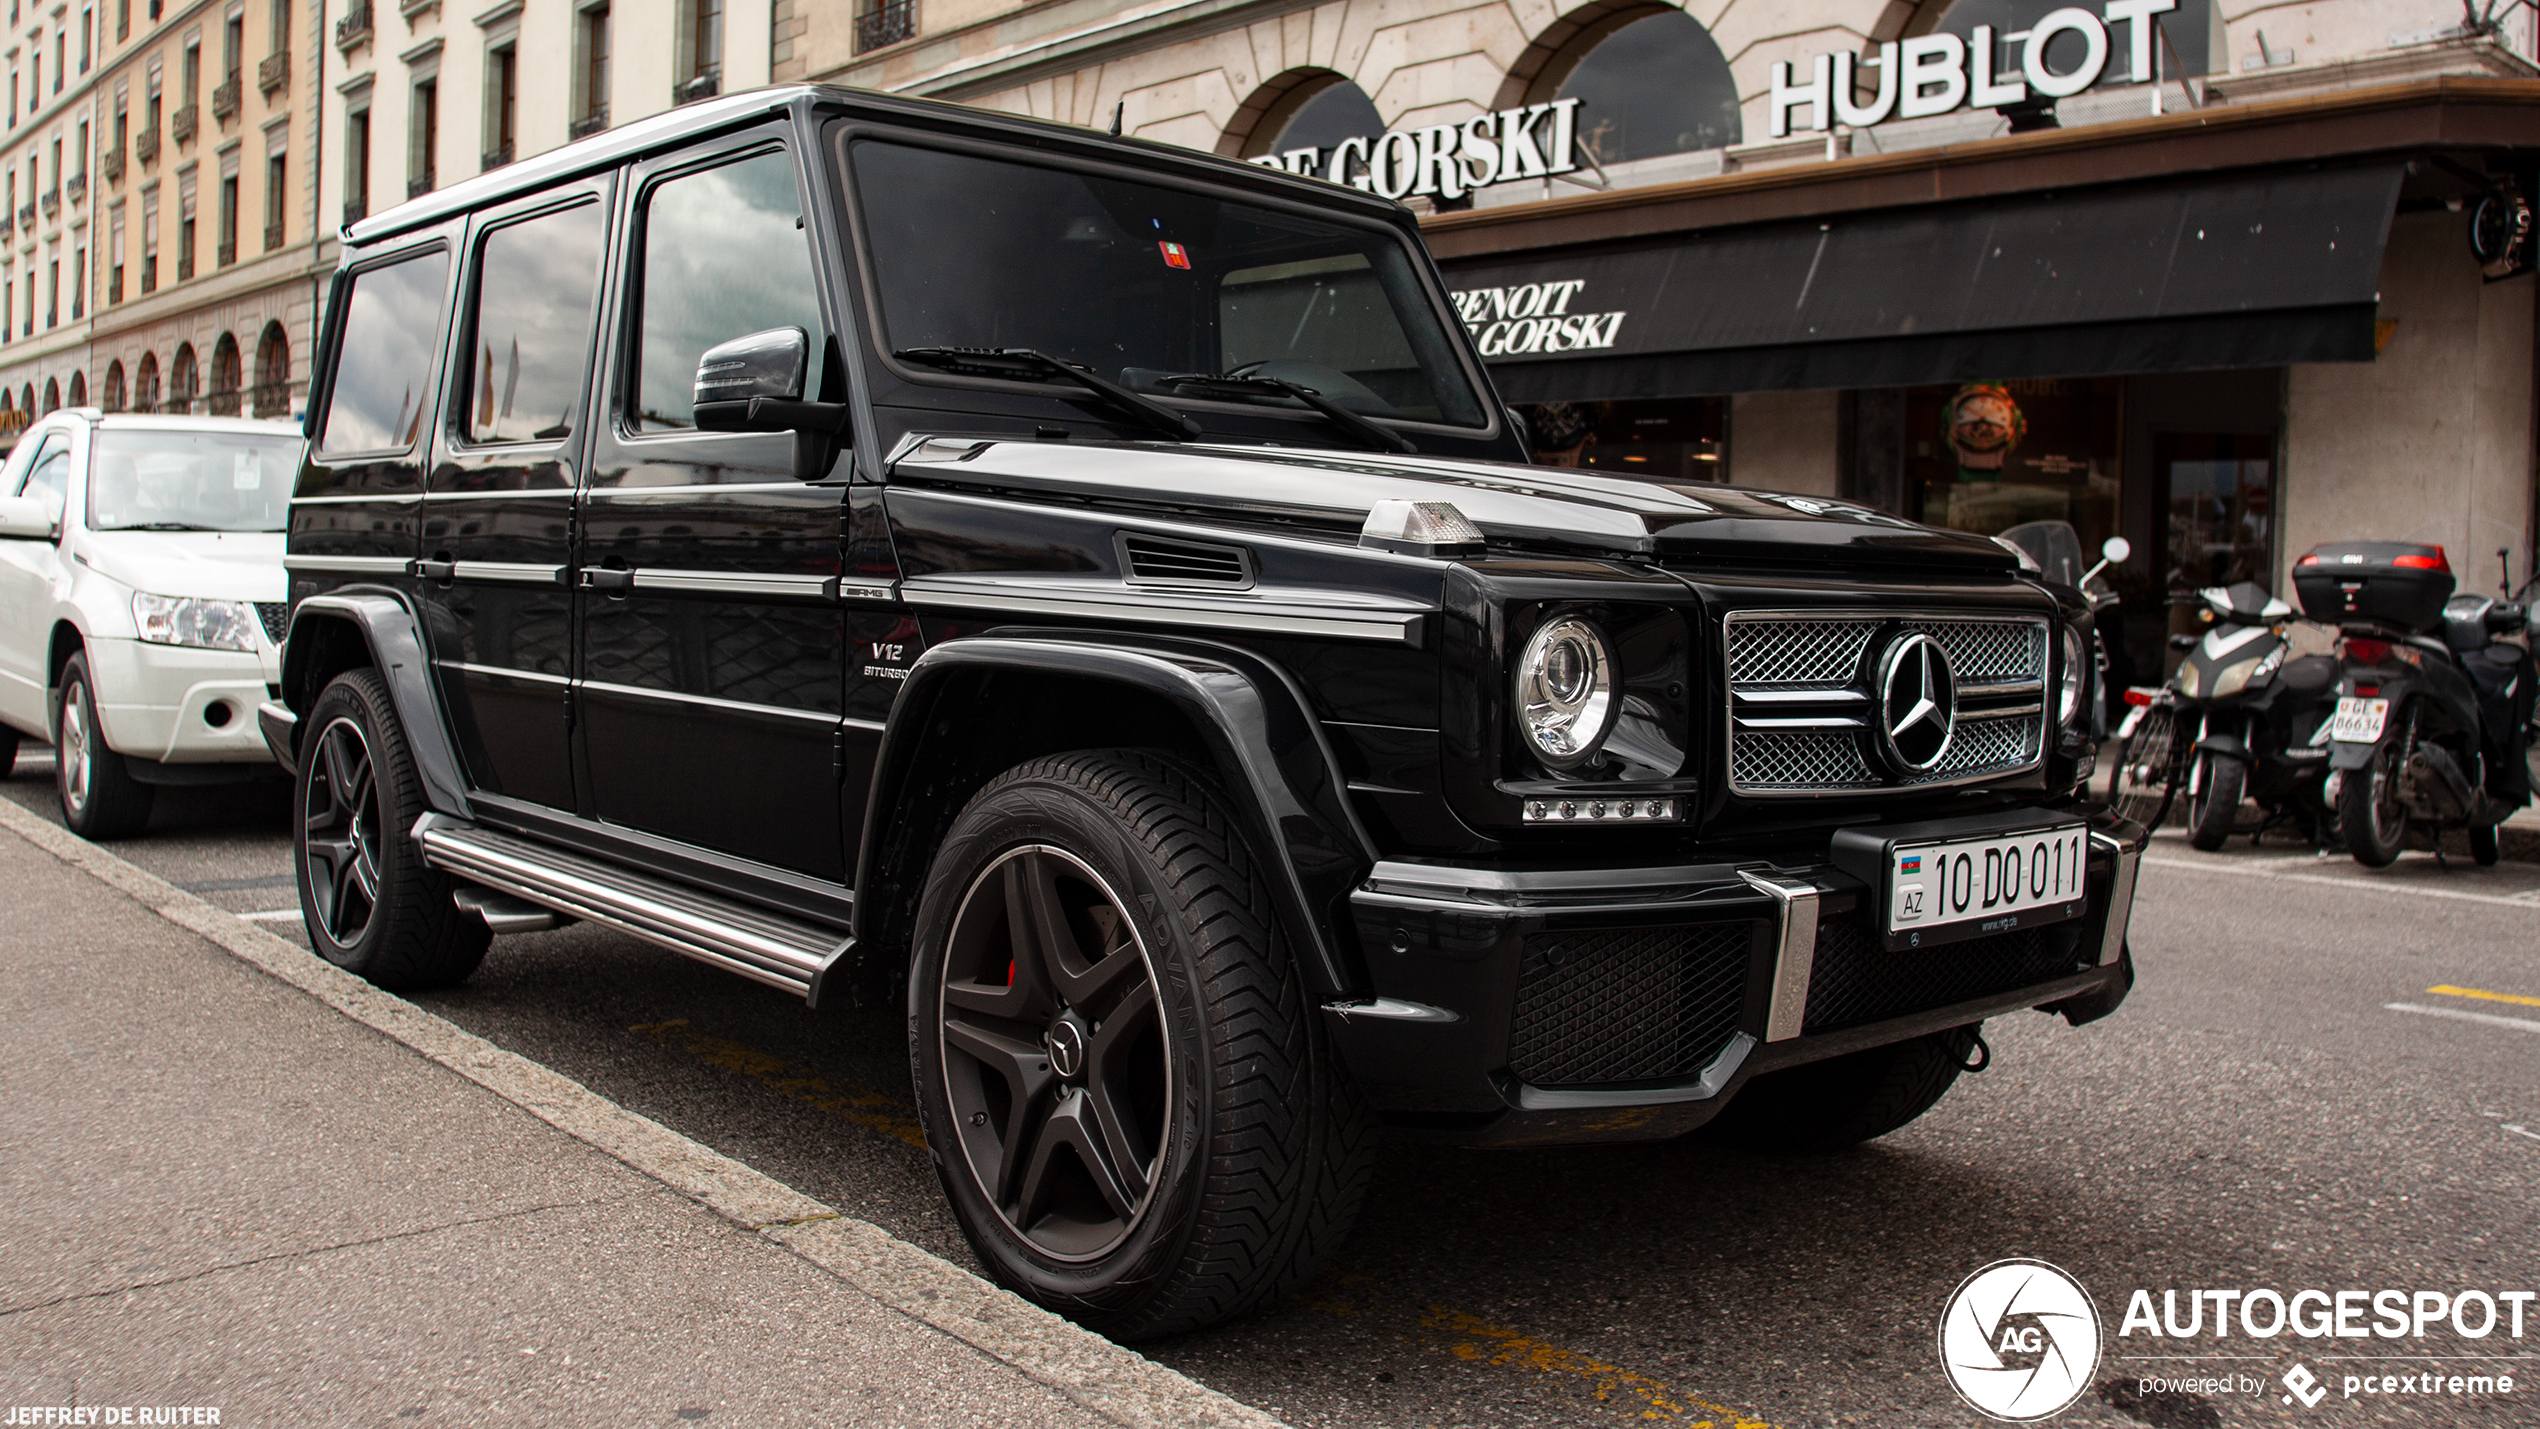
(1918, 704)
(1067, 1047)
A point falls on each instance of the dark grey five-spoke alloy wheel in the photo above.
(370, 904)
(1125, 1086)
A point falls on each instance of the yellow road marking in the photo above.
(1478, 1341)
(867, 1109)
(2513, 997)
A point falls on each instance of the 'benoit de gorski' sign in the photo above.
(1448, 160)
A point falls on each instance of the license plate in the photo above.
(1995, 883)
(2358, 721)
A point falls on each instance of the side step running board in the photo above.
(767, 947)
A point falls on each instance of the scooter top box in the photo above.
(2393, 583)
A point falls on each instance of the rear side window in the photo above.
(383, 370)
(725, 256)
(534, 283)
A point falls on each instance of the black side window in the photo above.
(725, 255)
(383, 372)
(534, 282)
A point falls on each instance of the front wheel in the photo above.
(371, 905)
(2216, 804)
(2145, 777)
(100, 798)
(1125, 1087)
(1846, 1100)
(2369, 811)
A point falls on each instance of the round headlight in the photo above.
(1565, 691)
(2076, 667)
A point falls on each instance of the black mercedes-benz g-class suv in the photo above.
(1090, 591)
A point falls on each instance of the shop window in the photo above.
(2218, 504)
(2194, 31)
(1986, 456)
(1319, 118)
(1672, 439)
(1649, 82)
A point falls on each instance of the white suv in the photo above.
(141, 596)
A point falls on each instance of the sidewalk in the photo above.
(217, 1190)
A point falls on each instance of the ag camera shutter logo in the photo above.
(2019, 1341)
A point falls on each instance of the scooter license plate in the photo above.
(2358, 721)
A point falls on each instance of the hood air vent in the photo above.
(1156, 560)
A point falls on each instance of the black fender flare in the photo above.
(2224, 744)
(1263, 738)
(392, 634)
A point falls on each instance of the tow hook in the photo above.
(1983, 1053)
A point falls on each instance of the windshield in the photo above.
(1141, 282)
(191, 481)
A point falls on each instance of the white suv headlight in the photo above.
(1565, 691)
(186, 620)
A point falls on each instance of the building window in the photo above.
(277, 181)
(185, 230)
(1649, 84)
(883, 22)
(423, 129)
(193, 75)
(701, 49)
(184, 380)
(1668, 439)
(1319, 116)
(228, 252)
(87, 38)
(52, 293)
(233, 46)
(502, 103)
(123, 20)
(273, 373)
(591, 72)
(145, 384)
(227, 379)
(281, 26)
(150, 243)
(114, 256)
(79, 284)
(357, 166)
(112, 396)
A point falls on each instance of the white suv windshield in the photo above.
(1139, 282)
(191, 481)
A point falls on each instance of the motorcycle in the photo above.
(2259, 717)
(2434, 724)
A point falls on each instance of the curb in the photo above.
(1116, 1383)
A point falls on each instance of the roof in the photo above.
(681, 125)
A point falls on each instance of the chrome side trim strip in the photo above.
(2120, 896)
(504, 672)
(1150, 607)
(506, 573)
(683, 697)
(346, 565)
(1393, 1010)
(1795, 952)
(749, 583)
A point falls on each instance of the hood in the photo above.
(215, 565)
(1549, 508)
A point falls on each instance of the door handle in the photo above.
(601, 578)
(435, 570)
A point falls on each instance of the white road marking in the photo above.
(2524, 1131)
(2519, 1024)
(272, 915)
(2528, 898)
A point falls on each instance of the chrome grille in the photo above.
(1812, 665)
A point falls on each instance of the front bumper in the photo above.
(175, 704)
(1600, 1004)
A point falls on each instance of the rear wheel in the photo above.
(1124, 1083)
(1843, 1101)
(2216, 804)
(2145, 776)
(100, 798)
(371, 905)
(2369, 812)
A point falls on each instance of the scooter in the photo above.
(2259, 717)
(2434, 723)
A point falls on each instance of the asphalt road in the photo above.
(2258, 1115)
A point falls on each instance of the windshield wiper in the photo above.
(1339, 416)
(167, 526)
(1023, 364)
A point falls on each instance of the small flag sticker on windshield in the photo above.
(1175, 255)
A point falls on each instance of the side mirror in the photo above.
(2112, 552)
(25, 518)
(755, 384)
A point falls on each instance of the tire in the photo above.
(1843, 1101)
(8, 751)
(2369, 813)
(1237, 1151)
(370, 904)
(2145, 777)
(2216, 804)
(2486, 844)
(100, 798)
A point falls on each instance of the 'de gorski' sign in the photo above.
(1934, 74)
(1448, 160)
(1527, 319)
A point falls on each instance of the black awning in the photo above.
(2193, 275)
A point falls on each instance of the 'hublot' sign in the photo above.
(1934, 74)
(1448, 160)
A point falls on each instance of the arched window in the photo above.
(112, 397)
(26, 402)
(1650, 80)
(52, 394)
(226, 379)
(145, 384)
(184, 379)
(273, 373)
(2194, 29)
(79, 389)
(1317, 111)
